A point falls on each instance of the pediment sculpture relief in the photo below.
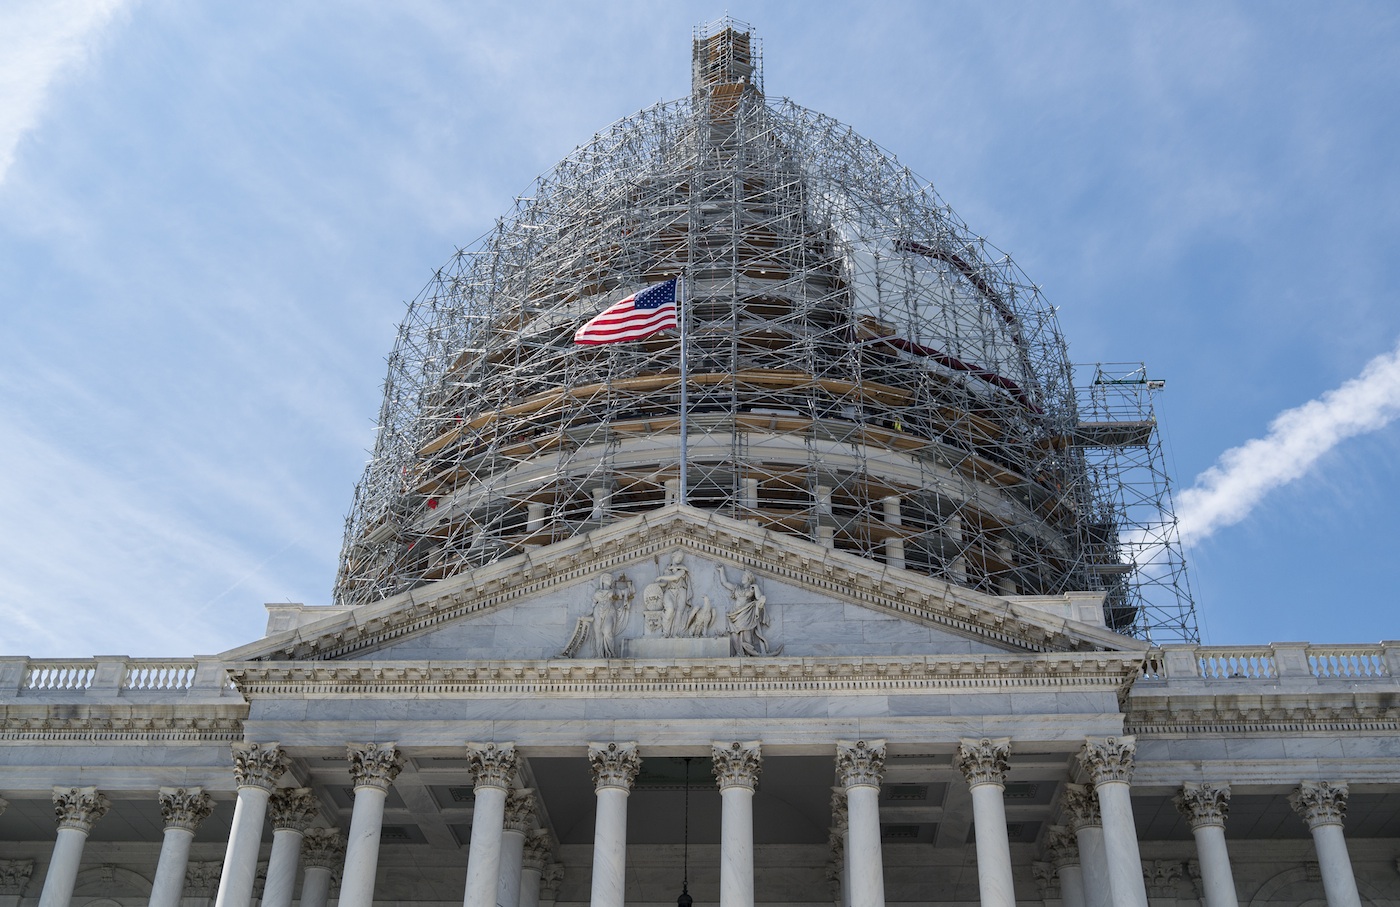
(678, 619)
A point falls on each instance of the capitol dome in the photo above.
(864, 371)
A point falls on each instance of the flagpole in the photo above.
(684, 316)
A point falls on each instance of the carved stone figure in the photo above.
(701, 619)
(674, 581)
(748, 616)
(653, 608)
(612, 605)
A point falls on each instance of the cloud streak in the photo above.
(1227, 492)
(42, 39)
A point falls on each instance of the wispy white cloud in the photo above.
(1227, 492)
(42, 39)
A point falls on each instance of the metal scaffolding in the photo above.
(864, 370)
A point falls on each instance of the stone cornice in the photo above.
(1104, 671)
(31, 724)
(1235, 712)
(804, 564)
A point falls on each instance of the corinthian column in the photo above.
(519, 822)
(538, 852)
(860, 765)
(256, 768)
(373, 767)
(182, 808)
(293, 809)
(736, 768)
(1082, 808)
(493, 772)
(1205, 806)
(322, 853)
(14, 877)
(615, 767)
(1109, 761)
(1322, 804)
(76, 809)
(984, 763)
(1063, 849)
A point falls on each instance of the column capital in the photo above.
(1061, 846)
(550, 881)
(539, 850)
(323, 848)
(184, 807)
(1081, 806)
(374, 765)
(492, 764)
(79, 807)
(520, 811)
(1203, 804)
(1160, 877)
(293, 809)
(14, 876)
(840, 810)
(1047, 880)
(258, 764)
(984, 761)
(1320, 802)
(737, 764)
(614, 765)
(860, 763)
(1109, 759)
(202, 879)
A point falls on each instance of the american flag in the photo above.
(639, 315)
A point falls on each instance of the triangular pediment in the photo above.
(663, 586)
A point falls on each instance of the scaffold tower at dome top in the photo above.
(863, 371)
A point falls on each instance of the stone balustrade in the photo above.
(111, 676)
(1284, 662)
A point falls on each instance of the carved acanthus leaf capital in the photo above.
(1047, 880)
(184, 807)
(520, 811)
(984, 761)
(1320, 802)
(1081, 805)
(613, 765)
(374, 765)
(840, 810)
(1203, 804)
(79, 807)
(1061, 846)
(14, 876)
(737, 764)
(860, 763)
(258, 764)
(492, 764)
(293, 808)
(1161, 876)
(539, 850)
(202, 879)
(1109, 759)
(323, 848)
(551, 880)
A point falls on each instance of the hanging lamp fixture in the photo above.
(685, 900)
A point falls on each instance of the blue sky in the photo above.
(211, 214)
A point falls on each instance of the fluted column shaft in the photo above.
(615, 767)
(1323, 805)
(1109, 761)
(183, 809)
(984, 764)
(76, 809)
(493, 772)
(860, 766)
(1205, 807)
(736, 768)
(256, 768)
(373, 767)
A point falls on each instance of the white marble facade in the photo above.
(899, 743)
